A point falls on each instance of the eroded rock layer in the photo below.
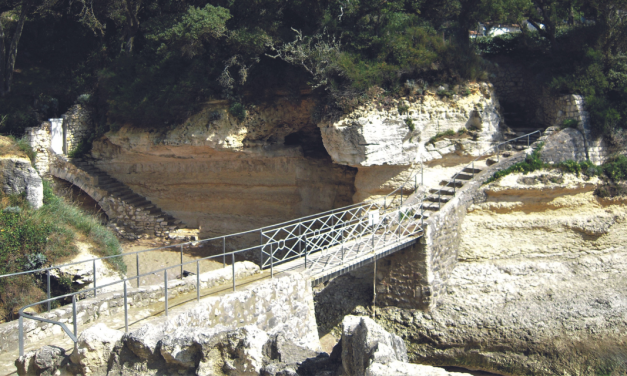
(273, 168)
(539, 289)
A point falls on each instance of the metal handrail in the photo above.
(472, 163)
(273, 255)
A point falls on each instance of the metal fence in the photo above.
(300, 238)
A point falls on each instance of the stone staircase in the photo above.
(135, 211)
(438, 196)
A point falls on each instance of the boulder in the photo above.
(365, 342)
(17, 176)
(144, 342)
(45, 361)
(94, 348)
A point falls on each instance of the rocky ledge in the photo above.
(366, 349)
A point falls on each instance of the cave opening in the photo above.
(310, 141)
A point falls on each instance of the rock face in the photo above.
(366, 349)
(386, 142)
(539, 287)
(18, 176)
(365, 342)
(223, 176)
(94, 348)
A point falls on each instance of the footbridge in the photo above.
(320, 246)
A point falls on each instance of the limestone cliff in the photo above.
(386, 139)
(224, 175)
(539, 287)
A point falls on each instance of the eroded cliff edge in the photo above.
(224, 175)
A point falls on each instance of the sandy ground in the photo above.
(159, 259)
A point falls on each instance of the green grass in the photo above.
(31, 239)
(441, 135)
(614, 170)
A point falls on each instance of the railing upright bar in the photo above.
(74, 318)
(21, 334)
(165, 290)
(224, 251)
(125, 309)
(233, 268)
(94, 278)
(198, 280)
(181, 262)
(272, 261)
(48, 287)
(137, 267)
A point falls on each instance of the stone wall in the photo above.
(125, 216)
(78, 125)
(109, 303)
(573, 107)
(415, 277)
(39, 139)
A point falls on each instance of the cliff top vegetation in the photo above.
(156, 62)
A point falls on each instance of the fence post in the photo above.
(125, 310)
(181, 262)
(401, 196)
(272, 261)
(48, 287)
(21, 335)
(74, 320)
(224, 251)
(498, 156)
(528, 139)
(94, 263)
(165, 290)
(137, 265)
(198, 280)
(261, 249)
(233, 267)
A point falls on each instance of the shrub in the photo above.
(238, 110)
(402, 109)
(531, 163)
(440, 135)
(410, 124)
(616, 168)
(570, 123)
(31, 239)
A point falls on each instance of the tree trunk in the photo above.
(3, 62)
(12, 53)
(132, 24)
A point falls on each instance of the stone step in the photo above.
(431, 207)
(450, 183)
(443, 192)
(441, 199)
(462, 176)
(470, 170)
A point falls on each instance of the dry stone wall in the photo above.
(128, 219)
(78, 126)
(39, 138)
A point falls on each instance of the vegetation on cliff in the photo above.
(158, 61)
(31, 239)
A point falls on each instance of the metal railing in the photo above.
(277, 244)
(471, 165)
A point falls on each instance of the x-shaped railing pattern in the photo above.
(330, 240)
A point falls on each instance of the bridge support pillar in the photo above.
(402, 279)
